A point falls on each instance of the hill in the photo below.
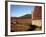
(25, 16)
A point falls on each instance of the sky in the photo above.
(20, 10)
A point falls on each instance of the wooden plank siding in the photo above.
(37, 13)
(22, 20)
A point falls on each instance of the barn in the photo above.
(37, 16)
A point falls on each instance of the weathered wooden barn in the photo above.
(37, 16)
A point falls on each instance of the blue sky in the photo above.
(20, 10)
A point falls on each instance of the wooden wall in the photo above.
(37, 13)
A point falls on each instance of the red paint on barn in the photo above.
(37, 14)
(19, 20)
